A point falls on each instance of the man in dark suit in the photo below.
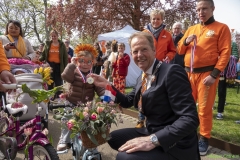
(167, 103)
(177, 35)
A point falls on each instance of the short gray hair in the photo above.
(178, 23)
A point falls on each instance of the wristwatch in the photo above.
(154, 140)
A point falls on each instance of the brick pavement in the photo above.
(109, 154)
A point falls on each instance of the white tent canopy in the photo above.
(122, 36)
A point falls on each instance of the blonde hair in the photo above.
(157, 12)
(54, 31)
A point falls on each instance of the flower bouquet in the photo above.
(93, 121)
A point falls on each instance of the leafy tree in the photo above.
(92, 17)
(31, 14)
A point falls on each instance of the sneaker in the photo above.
(219, 116)
(238, 122)
(140, 124)
(63, 146)
(203, 146)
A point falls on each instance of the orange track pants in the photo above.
(205, 96)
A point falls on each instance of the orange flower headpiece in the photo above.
(86, 47)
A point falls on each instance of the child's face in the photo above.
(121, 49)
(85, 63)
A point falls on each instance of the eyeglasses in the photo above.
(83, 61)
(176, 28)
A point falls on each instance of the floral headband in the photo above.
(86, 47)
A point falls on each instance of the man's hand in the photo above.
(6, 77)
(190, 38)
(99, 80)
(209, 80)
(137, 144)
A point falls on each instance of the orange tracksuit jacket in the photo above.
(213, 48)
(164, 45)
(4, 65)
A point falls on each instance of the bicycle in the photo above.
(37, 143)
(78, 150)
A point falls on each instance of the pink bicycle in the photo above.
(37, 142)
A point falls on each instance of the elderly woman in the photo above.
(14, 43)
(163, 42)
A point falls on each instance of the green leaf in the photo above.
(72, 135)
(39, 95)
(81, 115)
(104, 135)
(91, 137)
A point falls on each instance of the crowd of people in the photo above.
(178, 70)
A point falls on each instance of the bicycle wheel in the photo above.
(44, 152)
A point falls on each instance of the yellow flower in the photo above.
(35, 70)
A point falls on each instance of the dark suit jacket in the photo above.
(178, 59)
(170, 110)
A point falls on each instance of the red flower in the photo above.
(93, 116)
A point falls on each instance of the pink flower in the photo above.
(85, 114)
(100, 109)
(70, 124)
(89, 104)
(113, 112)
(93, 116)
(28, 131)
(63, 95)
(86, 109)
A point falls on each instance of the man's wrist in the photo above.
(154, 140)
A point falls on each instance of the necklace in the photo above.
(89, 80)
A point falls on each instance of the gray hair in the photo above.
(178, 23)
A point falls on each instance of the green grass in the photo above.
(226, 129)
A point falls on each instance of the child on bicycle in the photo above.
(81, 88)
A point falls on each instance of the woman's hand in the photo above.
(137, 144)
(99, 80)
(9, 46)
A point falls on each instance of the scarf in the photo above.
(157, 31)
(20, 45)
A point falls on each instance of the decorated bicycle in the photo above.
(30, 135)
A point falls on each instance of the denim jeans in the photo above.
(141, 116)
(65, 132)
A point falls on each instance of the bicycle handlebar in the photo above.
(11, 86)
